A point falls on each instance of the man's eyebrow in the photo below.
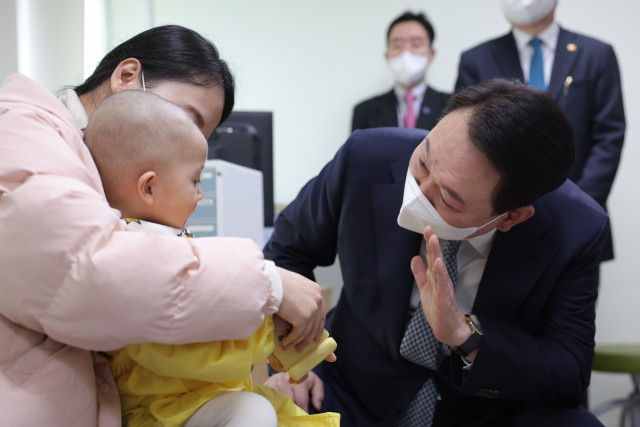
(427, 145)
(199, 119)
(452, 193)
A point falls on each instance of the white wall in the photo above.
(8, 39)
(54, 53)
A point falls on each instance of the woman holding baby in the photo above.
(75, 283)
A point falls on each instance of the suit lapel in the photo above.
(395, 248)
(426, 115)
(388, 110)
(563, 62)
(505, 54)
(503, 287)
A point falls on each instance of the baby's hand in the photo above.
(281, 327)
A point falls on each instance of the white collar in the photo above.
(549, 37)
(70, 100)
(482, 244)
(418, 90)
(153, 228)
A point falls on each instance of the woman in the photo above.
(66, 262)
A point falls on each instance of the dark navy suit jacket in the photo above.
(536, 300)
(592, 102)
(381, 111)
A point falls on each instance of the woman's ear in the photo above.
(126, 76)
(515, 217)
(147, 186)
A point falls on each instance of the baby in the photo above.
(150, 155)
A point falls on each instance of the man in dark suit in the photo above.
(581, 74)
(528, 245)
(411, 103)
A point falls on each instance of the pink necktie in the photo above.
(410, 117)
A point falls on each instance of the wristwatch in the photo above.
(474, 340)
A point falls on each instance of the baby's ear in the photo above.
(146, 187)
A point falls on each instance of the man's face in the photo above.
(455, 176)
(410, 36)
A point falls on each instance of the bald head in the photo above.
(132, 132)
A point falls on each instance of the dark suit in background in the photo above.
(592, 101)
(381, 111)
(536, 299)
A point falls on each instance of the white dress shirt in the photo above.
(418, 91)
(548, 46)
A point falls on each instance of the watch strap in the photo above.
(466, 348)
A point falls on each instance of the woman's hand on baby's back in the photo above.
(303, 307)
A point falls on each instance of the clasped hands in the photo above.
(438, 297)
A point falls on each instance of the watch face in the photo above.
(476, 323)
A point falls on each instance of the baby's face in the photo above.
(179, 191)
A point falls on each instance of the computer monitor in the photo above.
(246, 138)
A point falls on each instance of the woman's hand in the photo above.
(302, 306)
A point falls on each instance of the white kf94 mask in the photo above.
(527, 12)
(417, 212)
(408, 69)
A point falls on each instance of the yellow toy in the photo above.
(299, 364)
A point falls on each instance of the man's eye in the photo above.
(445, 202)
(196, 182)
(423, 165)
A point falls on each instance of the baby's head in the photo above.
(150, 154)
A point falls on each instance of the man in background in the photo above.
(579, 72)
(411, 103)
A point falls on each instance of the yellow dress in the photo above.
(163, 385)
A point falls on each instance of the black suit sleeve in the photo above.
(553, 366)
(359, 118)
(306, 232)
(467, 74)
(606, 132)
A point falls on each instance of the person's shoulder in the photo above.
(384, 143)
(487, 46)
(581, 40)
(443, 97)
(372, 102)
(571, 208)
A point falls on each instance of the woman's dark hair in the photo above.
(524, 134)
(170, 52)
(419, 18)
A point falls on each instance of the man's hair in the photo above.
(418, 17)
(133, 131)
(524, 134)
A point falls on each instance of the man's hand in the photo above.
(302, 306)
(437, 295)
(299, 393)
